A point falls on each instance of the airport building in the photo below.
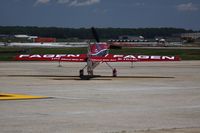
(131, 38)
(191, 35)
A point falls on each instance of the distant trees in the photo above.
(85, 33)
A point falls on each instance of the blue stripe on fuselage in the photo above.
(103, 52)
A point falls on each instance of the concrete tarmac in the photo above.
(148, 97)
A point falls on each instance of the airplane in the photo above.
(97, 54)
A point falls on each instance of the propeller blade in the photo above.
(95, 35)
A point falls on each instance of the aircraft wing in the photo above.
(52, 57)
(83, 58)
(134, 58)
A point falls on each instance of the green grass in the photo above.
(7, 53)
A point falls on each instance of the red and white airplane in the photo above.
(97, 53)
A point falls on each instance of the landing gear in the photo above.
(90, 73)
(90, 67)
(114, 72)
(81, 73)
(82, 76)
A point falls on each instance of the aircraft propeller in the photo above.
(95, 35)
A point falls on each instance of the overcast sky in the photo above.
(101, 13)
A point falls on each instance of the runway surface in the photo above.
(148, 97)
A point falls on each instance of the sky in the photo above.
(101, 13)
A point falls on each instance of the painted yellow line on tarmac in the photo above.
(7, 96)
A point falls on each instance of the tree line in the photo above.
(85, 33)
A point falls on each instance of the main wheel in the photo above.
(81, 73)
(114, 72)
